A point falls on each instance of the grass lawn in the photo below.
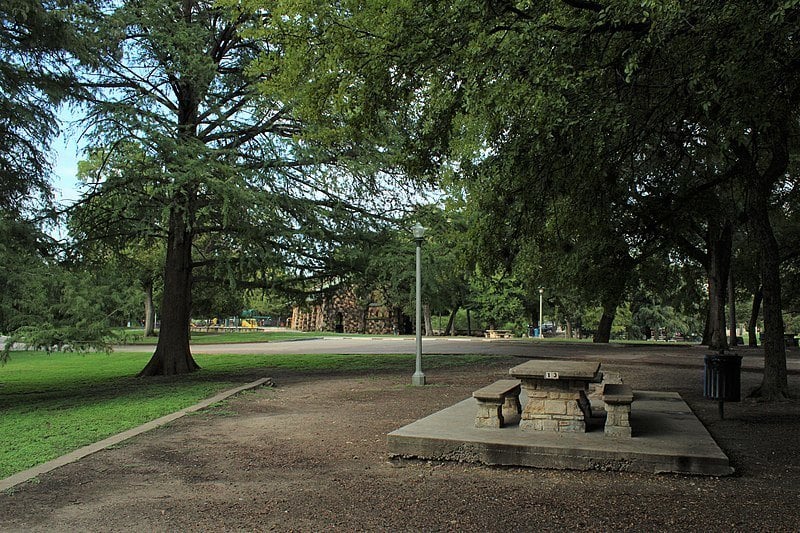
(53, 404)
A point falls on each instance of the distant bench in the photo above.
(497, 403)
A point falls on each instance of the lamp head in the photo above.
(418, 231)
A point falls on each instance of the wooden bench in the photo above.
(497, 403)
(618, 399)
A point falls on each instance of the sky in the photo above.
(65, 152)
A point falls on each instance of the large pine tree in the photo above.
(218, 171)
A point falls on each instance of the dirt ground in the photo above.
(310, 455)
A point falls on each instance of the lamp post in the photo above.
(541, 321)
(419, 234)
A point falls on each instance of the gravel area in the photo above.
(310, 455)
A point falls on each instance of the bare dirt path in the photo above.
(310, 455)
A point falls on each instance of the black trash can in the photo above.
(722, 377)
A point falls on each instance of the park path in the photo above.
(670, 354)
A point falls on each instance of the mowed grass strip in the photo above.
(53, 404)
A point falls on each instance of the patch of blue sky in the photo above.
(65, 170)
(66, 151)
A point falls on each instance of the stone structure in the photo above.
(556, 393)
(498, 404)
(618, 399)
(341, 311)
(563, 410)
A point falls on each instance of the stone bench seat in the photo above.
(497, 403)
(618, 399)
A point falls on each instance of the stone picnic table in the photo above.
(556, 394)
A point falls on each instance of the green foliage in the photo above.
(385, 266)
(792, 322)
(269, 303)
(35, 78)
(499, 300)
(445, 254)
(595, 164)
(655, 318)
(70, 310)
(47, 305)
(217, 300)
(607, 142)
(211, 148)
(51, 305)
(24, 271)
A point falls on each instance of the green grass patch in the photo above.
(53, 404)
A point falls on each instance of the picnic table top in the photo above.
(563, 369)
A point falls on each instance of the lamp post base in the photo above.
(418, 379)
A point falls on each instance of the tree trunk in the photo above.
(569, 329)
(364, 319)
(774, 384)
(760, 184)
(469, 324)
(149, 310)
(450, 329)
(720, 242)
(399, 322)
(172, 354)
(612, 291)
(751, 326)
(731, 308)
(707, 326)
(426, 314)
(603, 333)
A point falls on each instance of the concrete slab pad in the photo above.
(667, 437)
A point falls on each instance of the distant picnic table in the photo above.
(499, 334)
